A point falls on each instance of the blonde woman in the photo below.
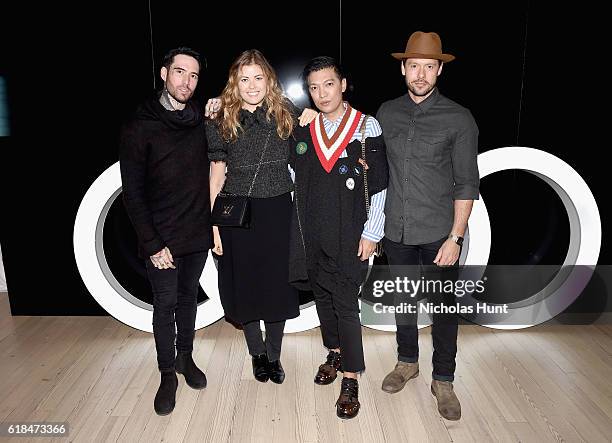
(253, 126)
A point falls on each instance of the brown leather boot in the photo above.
(348, 404)
(397, 379)
(448, 403)
(328, 371)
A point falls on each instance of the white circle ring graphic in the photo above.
(110, 294)
(585, 243)
(584, 240)
(585, 236)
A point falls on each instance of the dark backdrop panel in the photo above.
(518, 69)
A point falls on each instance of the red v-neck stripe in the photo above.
(329, 164)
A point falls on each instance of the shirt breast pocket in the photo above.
(395, 144)
(432, 146)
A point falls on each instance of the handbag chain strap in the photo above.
(378, 251)
(260, 161)
(365, 171)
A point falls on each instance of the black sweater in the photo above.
(164, 172)
(328, 216)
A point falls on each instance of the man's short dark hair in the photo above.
(323, 62)
(183, 50)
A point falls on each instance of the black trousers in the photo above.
(338, 309)
(175, 302)
(272, 344)
(445, 326)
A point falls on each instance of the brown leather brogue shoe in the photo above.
(348, 404)
(397, 379)
(448, 403)
(328, 371)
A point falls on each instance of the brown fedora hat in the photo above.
(424, 45)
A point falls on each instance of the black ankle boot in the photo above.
(276, 372)
(166, 394)
(185, 365)
(260, 367)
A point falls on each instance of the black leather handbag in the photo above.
(231, 210)
(234, 210)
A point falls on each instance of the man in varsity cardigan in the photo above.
(332, 235)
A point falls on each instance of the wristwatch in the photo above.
(456, 239)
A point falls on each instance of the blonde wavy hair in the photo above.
(231, 102)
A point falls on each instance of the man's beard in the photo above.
(181, 101)
(421, 94)
(170, 102)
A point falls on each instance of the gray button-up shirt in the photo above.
(432, 150)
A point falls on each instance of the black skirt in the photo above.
(254, 267)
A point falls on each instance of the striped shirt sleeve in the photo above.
(374, 227)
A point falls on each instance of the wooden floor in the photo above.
(547, 383)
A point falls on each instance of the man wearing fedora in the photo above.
(432, 146)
